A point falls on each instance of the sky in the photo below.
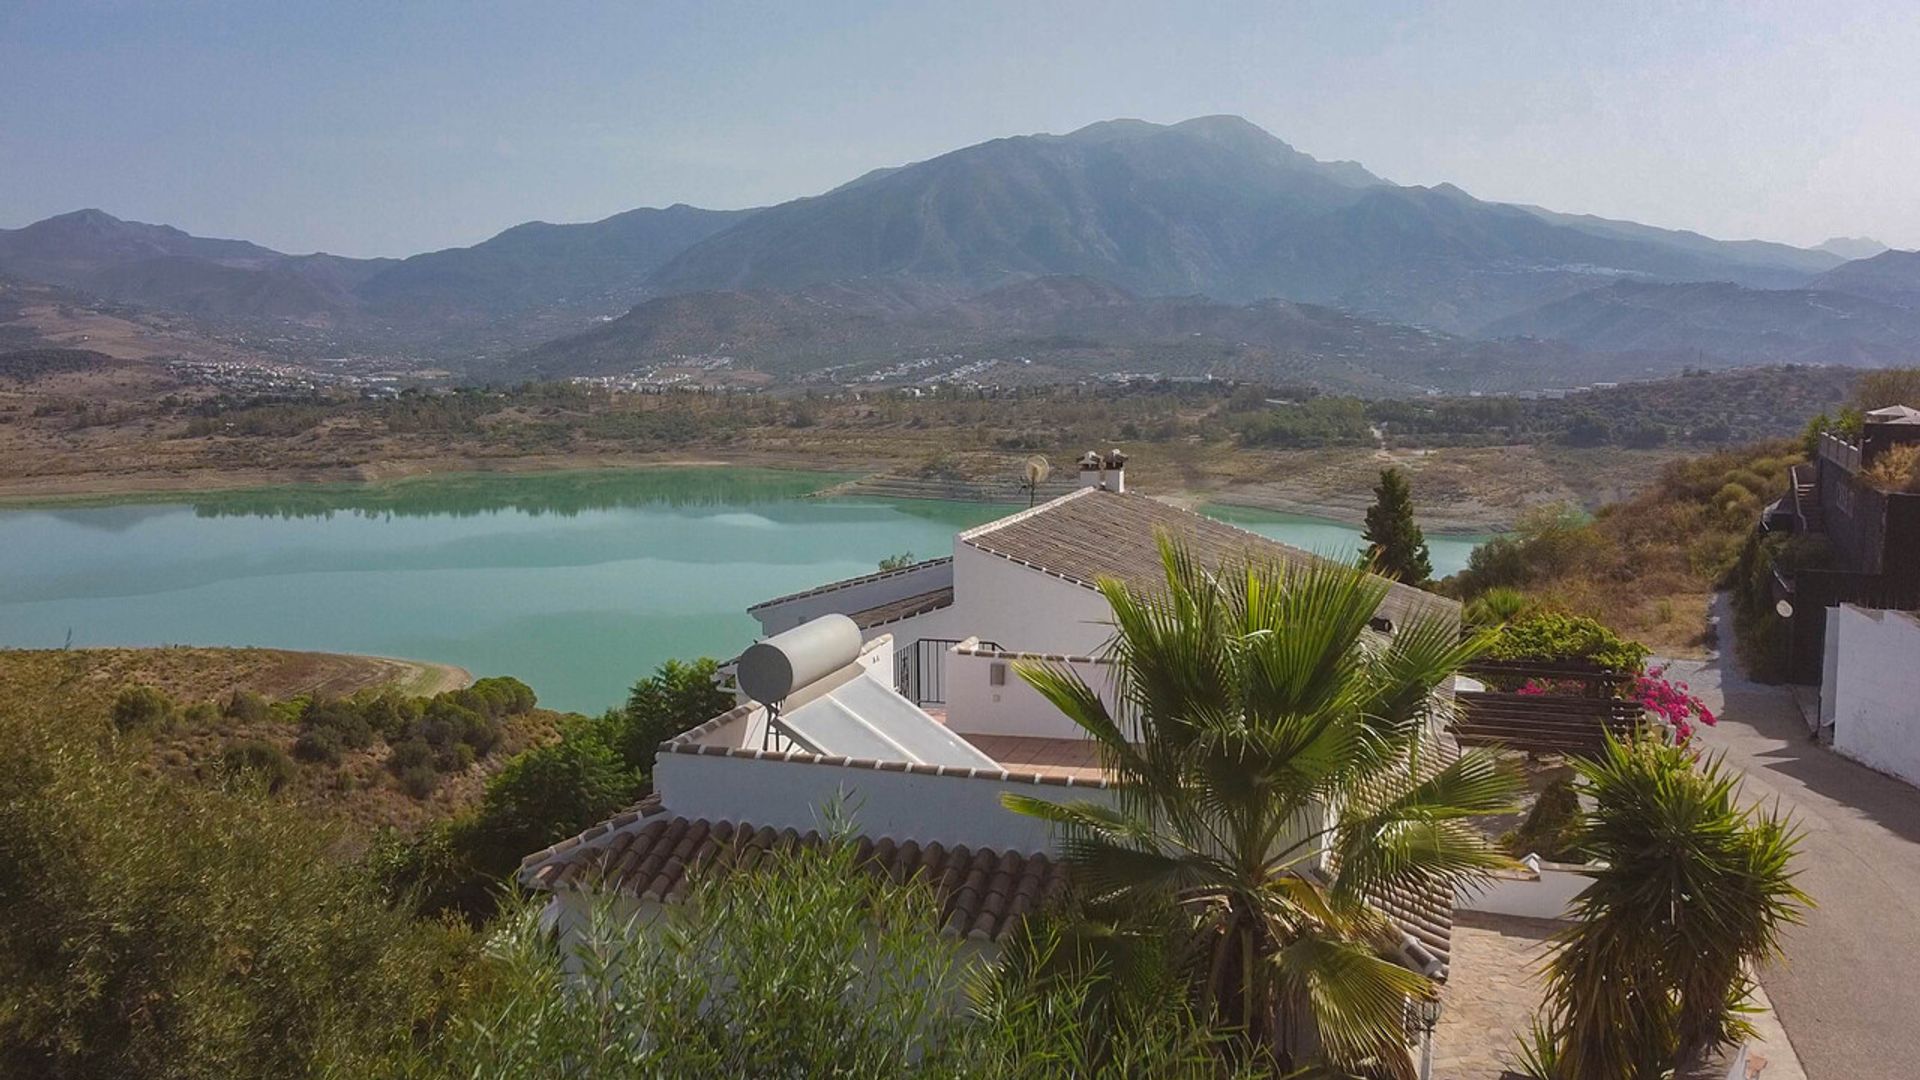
(392, 128)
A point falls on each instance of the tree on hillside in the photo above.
(1895, 386)
(1395, 545)
(1251, 701)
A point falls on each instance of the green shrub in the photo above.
(405, 755)
(809, 966)
(341, 718)
(1552, 828)
(392, 715)
(549, 793)
(259, 758)
(157, 928)
(246, 707)
(320, 745)
(142, 709)
(1692, 886)
(679, 695)
(1497, 606)
(1550, 636)
(419, 780)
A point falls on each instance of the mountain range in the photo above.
(1207, 245)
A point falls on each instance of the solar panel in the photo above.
(866, 719)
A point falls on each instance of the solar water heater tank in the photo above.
(769, 671)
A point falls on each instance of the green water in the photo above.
(576, 582)
(1448, 551)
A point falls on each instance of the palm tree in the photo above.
(1690, 890)
(1275, 766)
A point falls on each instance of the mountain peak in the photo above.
(1852, 247)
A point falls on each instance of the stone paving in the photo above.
(1494, 985)
(1493, 988)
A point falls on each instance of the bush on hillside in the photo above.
(319, 745)
(245, 706)
(679, 695)
(142, 709)
(598, 767)
(259, 759)
(151, 927)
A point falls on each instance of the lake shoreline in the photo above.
(97, 491)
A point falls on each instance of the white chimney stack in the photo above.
(1104, 471)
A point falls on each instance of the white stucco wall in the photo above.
(1873, 684)
(1024, 610)
(902, 805)
(976, 706)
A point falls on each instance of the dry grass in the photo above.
(1648, 566)
(1897, 469)
(77, 687)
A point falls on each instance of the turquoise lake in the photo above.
(578, 583)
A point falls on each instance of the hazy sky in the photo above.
(394, 127)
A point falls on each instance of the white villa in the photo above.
(895, 692)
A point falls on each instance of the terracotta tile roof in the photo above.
(982, 893)
(832, 586)
(1093, 534)
(904, 608)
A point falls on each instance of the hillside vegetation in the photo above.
(1473, 462)
(1646, 567)
(338, 736)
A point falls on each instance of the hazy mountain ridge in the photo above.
(1062, 327)
(1725, 322)
(1214, 206)
(1891, 276)
(1214, 210)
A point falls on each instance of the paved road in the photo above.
(1848, 991)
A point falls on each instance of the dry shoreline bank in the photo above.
(93, 488)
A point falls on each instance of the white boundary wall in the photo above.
(904, 805)
(1872, 689)
(977, 706)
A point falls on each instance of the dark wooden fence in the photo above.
(1581, 703)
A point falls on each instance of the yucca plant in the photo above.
(1690, 890)
(1275, 765)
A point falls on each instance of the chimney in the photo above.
(1104, 471)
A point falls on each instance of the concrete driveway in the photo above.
(1848, 991)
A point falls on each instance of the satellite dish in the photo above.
(1035, 470)
(1785, 609)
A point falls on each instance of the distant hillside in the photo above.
(1220, 236)
(69, 248)
(531, 282)
(1213, 206)
(1891, 276)
(602, 264)
(1051, 328)
(1725, 325)
(25, 365)
(1852, 247)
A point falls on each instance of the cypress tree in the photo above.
(1395, 545)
